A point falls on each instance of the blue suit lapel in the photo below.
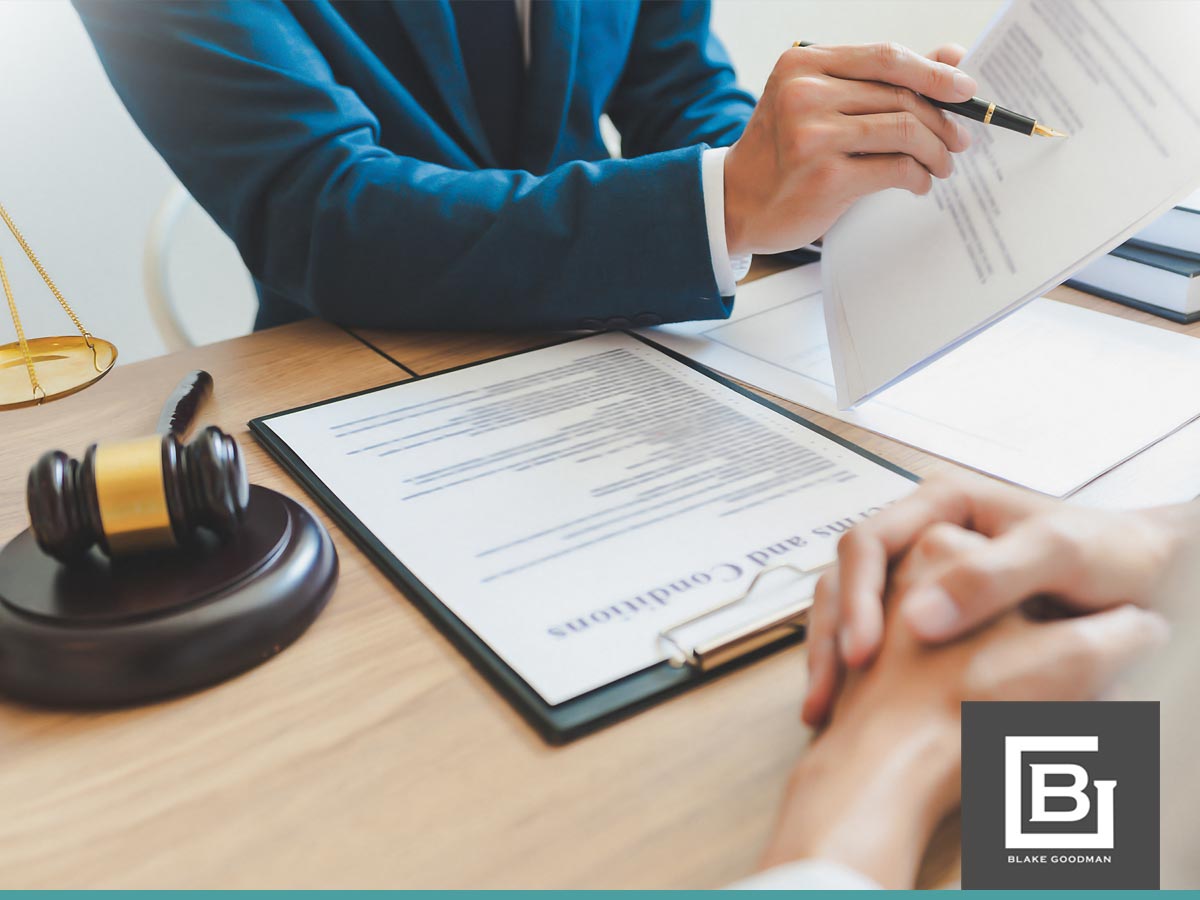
(430, 24)
(554, 42)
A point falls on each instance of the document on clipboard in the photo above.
(596, 523)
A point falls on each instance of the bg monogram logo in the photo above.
(1060, 796)
(1015, 838)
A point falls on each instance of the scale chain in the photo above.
(62, 301)
(12, 304)
(12, 308)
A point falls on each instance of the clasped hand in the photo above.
(929, 604)
(1010, 547)
(926, 604)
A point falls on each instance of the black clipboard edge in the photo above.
(588, 712)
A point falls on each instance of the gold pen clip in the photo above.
(782, 621)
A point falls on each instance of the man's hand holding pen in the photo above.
(835, 124)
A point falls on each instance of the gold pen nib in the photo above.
(1040, 129)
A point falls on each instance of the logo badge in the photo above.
(1060, 795)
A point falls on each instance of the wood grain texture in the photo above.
(746, 796)
(426, 352)
(371, 754)
(430, 353)
(148, 796)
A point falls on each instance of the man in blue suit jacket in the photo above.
(438, 164)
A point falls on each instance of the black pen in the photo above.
(990, 114)
(986, 112)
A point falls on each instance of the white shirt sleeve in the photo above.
(727, 272)
(807, 875)
(523, 11)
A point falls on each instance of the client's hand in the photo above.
(833, 124)
(1089, 559)
(871, 789)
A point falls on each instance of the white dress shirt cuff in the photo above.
(807, 875)
(727, 272)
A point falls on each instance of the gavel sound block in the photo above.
(120, 595)
(109, 632)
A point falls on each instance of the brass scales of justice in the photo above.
(41, 369)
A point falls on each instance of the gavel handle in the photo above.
(179, 412)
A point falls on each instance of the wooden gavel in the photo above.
(143, 494)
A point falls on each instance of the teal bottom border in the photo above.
(592, 895)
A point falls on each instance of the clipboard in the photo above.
(686, 666)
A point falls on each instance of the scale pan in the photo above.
(63, 365)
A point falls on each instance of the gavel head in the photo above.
(137, 495)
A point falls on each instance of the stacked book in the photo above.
(1157, 270)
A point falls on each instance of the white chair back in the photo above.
(197, 288)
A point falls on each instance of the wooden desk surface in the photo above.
(371, 754)
(214, 789)
(424, 354)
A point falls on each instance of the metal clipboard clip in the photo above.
(749, 636)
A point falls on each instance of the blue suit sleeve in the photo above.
(247, 112)
(678, 87)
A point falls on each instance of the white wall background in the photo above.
(83, 184)
(757, 31)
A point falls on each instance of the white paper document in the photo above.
(908, 277)
(570, 503)
(1166, 473)
(1050, 398)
